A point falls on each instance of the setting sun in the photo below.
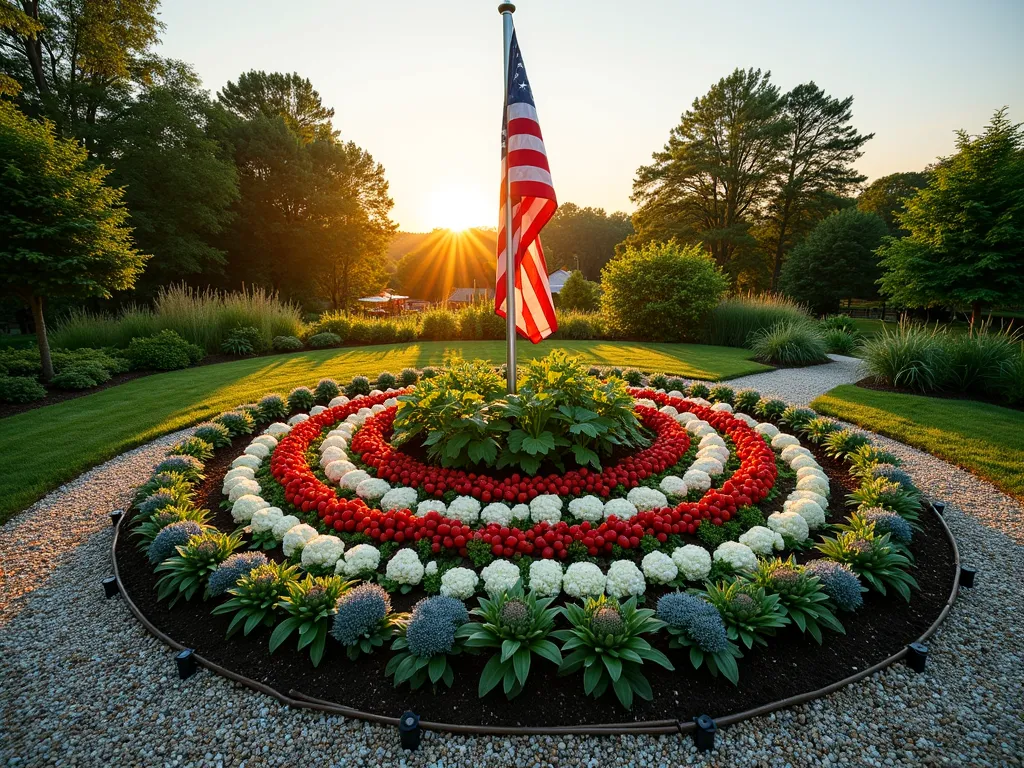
(460, 206)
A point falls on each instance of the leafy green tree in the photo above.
(584, 238)
(276, 94)
(180, 184)
(885, 197)
(818, 152)
(835, 261)
(580, 293)
(661, 291)
(708, 182)
(966, 241)
(63, 231)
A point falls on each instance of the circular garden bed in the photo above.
(710, 561)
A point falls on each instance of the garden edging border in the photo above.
(299, 700)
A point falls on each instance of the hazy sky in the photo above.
(419, 84)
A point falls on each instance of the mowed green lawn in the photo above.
(43, 448)
(984, 439)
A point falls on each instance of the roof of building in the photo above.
(557, 279)
(467, 295)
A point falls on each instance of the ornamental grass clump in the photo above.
(658, 381)
(746, 400)
(843, 442)
(301, 399)
(273, 408)
(863, 460)
(386, 380)
(819, 428)
(770, 409)
(735, 319)
(309, 609)
(171, 481)
(676, 384)
(872, 557)
(693, 623)
(750, 614)
(360, 385)
(256, 597)
(722, 394)
(195, 447)
(802, 597)
(796, 418)
(516, 626)
(188, 467)
(326, 390)
(215, 434)
(901, 534)
(364, 620)
(147, 528)
(408, 377)
(606, 642)
(909, 357)
(789, 343)
(698, 390)
(884, 493)
(429, 638)
(187, 572)
(170, 537)
(839, 342)
(839, 582)
(231, 570)
(238, 422)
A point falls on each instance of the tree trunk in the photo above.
(779, 247)
(36, 303)
(976, 315)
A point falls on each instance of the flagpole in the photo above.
(506, 10)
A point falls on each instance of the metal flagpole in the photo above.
(506, 10)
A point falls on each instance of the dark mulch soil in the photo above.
(54, 396)
(792, 664)
(870, 382)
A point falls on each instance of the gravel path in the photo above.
(801, 385)
(81, 684)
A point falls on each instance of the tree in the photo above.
(180, 183)
(76, 59)
(885, 196)
(835, 261)
(965, 245)
(708, 182)
(579, 293)
(584, 238)
(63, 231)
(817, 157)
(661, 291)
(275, 94)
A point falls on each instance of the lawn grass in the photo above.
(43, 448)
(982, 438)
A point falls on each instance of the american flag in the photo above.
(533, 205)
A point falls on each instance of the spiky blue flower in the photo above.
(885, 521)
(360, 612)
(186, 466)
(174, 535)
(895, 474)
(433, 623)
(698, 618)
(155, 502)
(231, 570)
(839, 582)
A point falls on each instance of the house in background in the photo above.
(557, 279)
(470, 295)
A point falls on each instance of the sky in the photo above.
(420, 85)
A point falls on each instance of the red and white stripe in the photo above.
(533, 205)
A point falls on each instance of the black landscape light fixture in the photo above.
(939, 507)
(409, 730)
(186, 661)
(967, 575)
(110, 586)
(115, 517)
(917, 655)
(704, 734)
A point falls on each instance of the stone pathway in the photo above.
(81, 684)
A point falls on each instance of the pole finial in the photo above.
(506, 8)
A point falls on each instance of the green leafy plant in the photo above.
(722, 394)
(147, 527)
(237, 422)
(193, 446)
(863, 460)
(605, 642)
(166, 351)
(216, 435)
(518, 626)
(801, 596)
(287, 343)
(694, 624)
(309, 608)
(843, 442)
(887, 494)
(255, 598)
(360, 385)
(243, 340)
(746, 400)
(796, 418)
(186, 573)
(819, 428)
(676, 384)
(301, 399)
(770, 408)
(658, 381)
(909, 357)
(843, 323)
(839, 342)
(749, 613)
(326, 390)
(633, 377)
(736, 318)
(273, 408)
(386, 380)
(698, 390)
(408, 377)
(20, 389)
(364, 621)
(873, 558)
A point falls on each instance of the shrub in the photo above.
(167, 351)
(478, 321)
(579, 326)
(20, 389)
(974, 361)
(439, 325)
(698, 390)
(428, 373)
(360, 385)
(843, 323)
(78, 377)
(326, 390)
(839, 342)
(1010, 383)
(237, 422)
(789, 343)
(287, 343)
(195, 447)
(909, 357)
(736, 319)
(383, 332)
(386, 380)
(770, 408)
(216, 435)
(301, 399)
(408, 377)
(23, 362)
(722, 394)
(676, 384)
(579, 293)
(273, 408)
(633, 377)
(336, 323)
(658, 381)
(746, 400)
(661, 292)
(243, 340)
(322, 340)
(109, 362)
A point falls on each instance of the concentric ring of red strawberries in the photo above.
(748, 485)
